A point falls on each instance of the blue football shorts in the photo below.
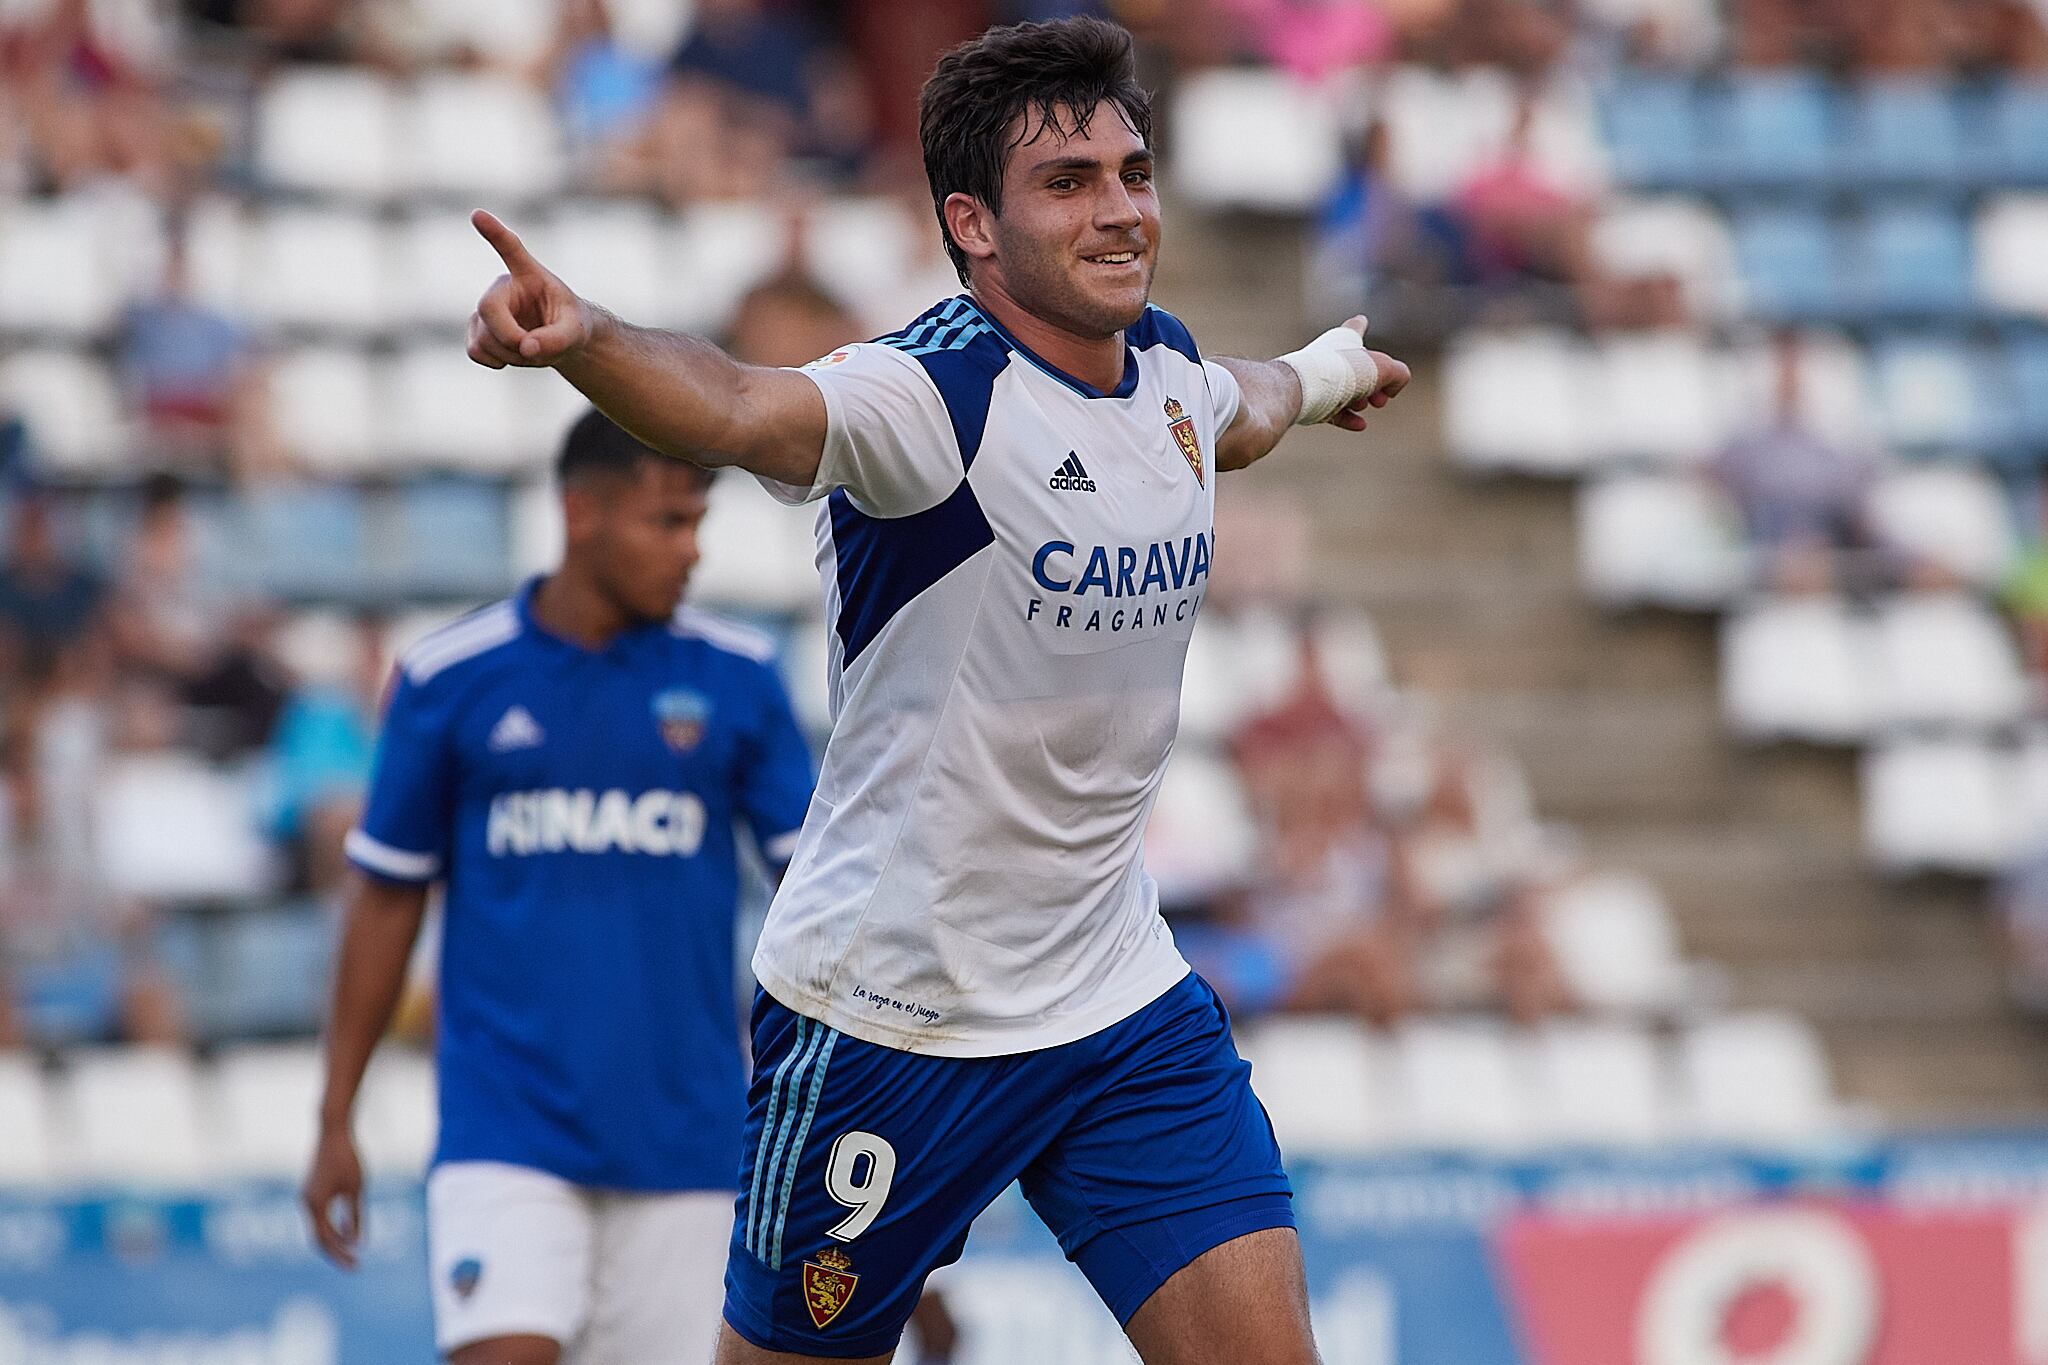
(1141, 1146)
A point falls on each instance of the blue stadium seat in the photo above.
(1790, 264)
(262, 972)
(1907, 133)
(1913, 261)
(307, 541)
(2026, 367)
(2020, 129)
(1653, 125)
(452, 539)
(1777, 129)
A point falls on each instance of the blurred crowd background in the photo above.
(1756, 287)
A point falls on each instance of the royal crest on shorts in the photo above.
(827, 1285)
(1183, 428)
(681, 716)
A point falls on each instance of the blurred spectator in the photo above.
(1802, 498)
(324, 31)
(175, 620)
(1377, 248)
(47, 601)
(2025, 594)
(325, 737)
(189, 367)
(605, 90)
(2020, 899)
(790, 319)
(1313, 39)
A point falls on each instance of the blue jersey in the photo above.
(580, 808)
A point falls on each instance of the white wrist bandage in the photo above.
(1329, 380)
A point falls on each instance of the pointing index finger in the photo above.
(505, 242)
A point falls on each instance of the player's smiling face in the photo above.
(1078, 236)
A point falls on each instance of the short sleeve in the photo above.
(776, 778)
(1225, 396)
(889, 440)
(407, 820)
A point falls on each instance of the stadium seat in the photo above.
(328, 130)
(719, 252)
(265, 1100)
(1837, 400)
(535, 527)
(1324, 1081)
(759, 554)
(2029, 774)
(2026, 355)
(395, 1127)
(1947, 661)
(28, 1154)
(326, 402)
(1659, 540)
(1595, 1084)
(169, 827)
(74, 415)
(1512, 403)
(1757, 1078)
(1353, 659)
(1937, 394)
(1457, 1085)
(1213, 700)
(2012, 270)
(1256, 139)
(1906, 132)
(1200, 842)
(305, 540)
(439, 268)
(134, 1116)
(1798, 669)
(472, 135)
(218, 240)
(1912, 261)
(319, 270)
(1616, 945)
(447, 412)
(508, 33)
(2020, 128)
(862, 250)
(1789, 260)
(1951, 515)
(1939, 805)
(1442, 126)
(1673, 235)
(1664, 398)
(1775, 129)
(263, 971)
(57, 276)
(1654, 125)
(612, 253)
(452, 540)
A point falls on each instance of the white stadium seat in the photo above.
(717, 253)
(1597, 1084)
(1257, 139)
(1677, 236)
(446, 411)
(1946, 659)
(328, 130)
(1514, 401)
(1927, 392)
(615, 254)
(1835, 389)
(2029, 773)
(395, 1121)
(1441, 126)
(1659, 540)
(1953, 515)
(439, 268)
(507, 33)
(1616, 944)
(56, 273)
(28, 1153)
(1200, 842)
(536, 529)
(1950, 805)
(1663, 398)
(475, 134)
(1212, 698)
(265, 1102)
(72, 409)
(319, 270)
(863, 250)
(1324, 1080)
(1758, 1078)
(1457, 1084)
(759, 554)
(170, 826)
(133, 1115)
(2012, 270)
(1798, 668)
(325, 402)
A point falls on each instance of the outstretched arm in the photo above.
(680, 395)
(1332, 380)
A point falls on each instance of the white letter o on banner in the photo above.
(1816, 1256)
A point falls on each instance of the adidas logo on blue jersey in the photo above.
(516, 729)
(1071, 477)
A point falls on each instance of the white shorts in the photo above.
(617, 1278)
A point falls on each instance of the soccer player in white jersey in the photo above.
(966, 978)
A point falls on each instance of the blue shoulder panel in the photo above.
(963, 354)
(1157, 327)
(885, 563)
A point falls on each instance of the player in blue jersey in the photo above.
(569, 765)
(966, 980)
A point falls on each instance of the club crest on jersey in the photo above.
(464, 1276)
(681, 716)
(1183, 428)
(828, 1286)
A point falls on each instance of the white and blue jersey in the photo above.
(1012, 563)
(580, 807)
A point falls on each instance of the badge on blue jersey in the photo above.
(682, 716)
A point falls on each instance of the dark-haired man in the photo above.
(966, 978)
(569, 765)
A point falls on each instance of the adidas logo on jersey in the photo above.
(1070, 477)
(516, 729)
